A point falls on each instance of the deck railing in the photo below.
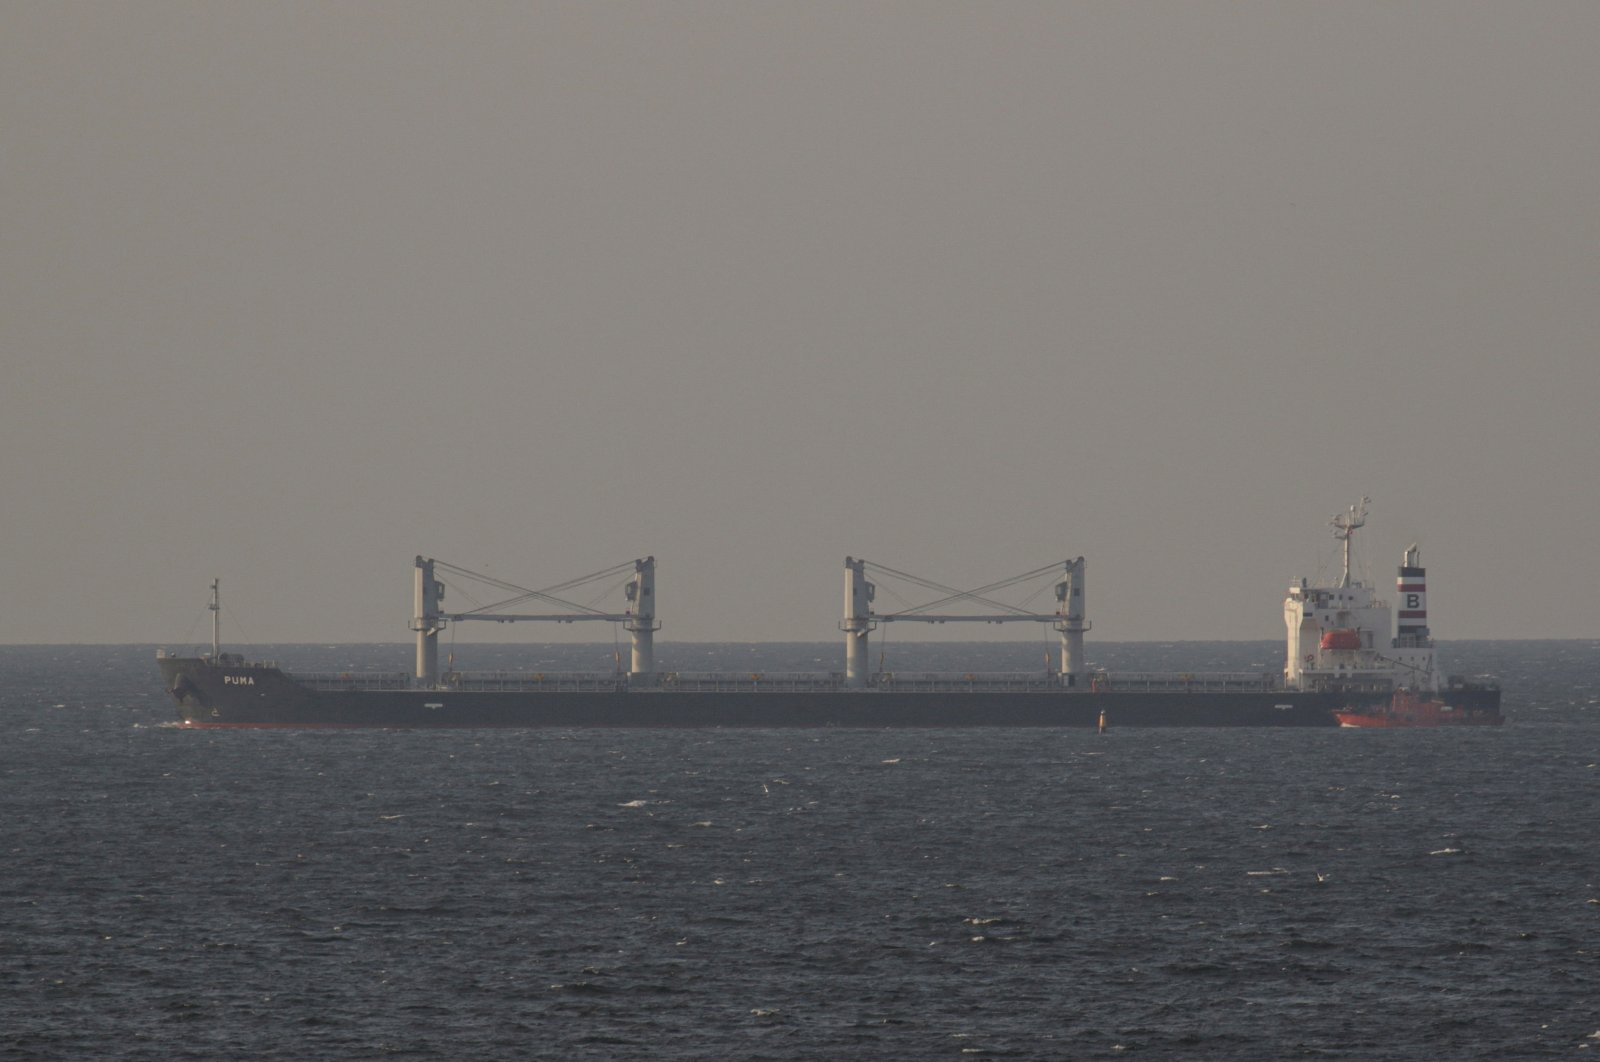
(1197, 682)
(354, 680)
(804, 682)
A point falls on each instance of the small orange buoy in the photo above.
(1102, 721)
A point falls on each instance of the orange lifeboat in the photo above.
(1347, 638)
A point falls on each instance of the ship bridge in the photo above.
(1342, 636)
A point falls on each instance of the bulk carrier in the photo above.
(1341, 656)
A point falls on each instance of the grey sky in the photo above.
(293, 292)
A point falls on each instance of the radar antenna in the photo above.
(1344, 529)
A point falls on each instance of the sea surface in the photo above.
(901, 894)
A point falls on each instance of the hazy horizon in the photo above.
(294, 292)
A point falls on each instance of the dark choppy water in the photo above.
(892, 894)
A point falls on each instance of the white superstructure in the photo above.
(1342, 635)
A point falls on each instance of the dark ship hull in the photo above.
(233, 694)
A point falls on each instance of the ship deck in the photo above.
(794, 682)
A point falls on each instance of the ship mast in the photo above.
(1069, 591)
(1344, 529)
(216, 618)
(641, 622)
(860, 619)
(857, 623)
(426, 621)
(429, 618)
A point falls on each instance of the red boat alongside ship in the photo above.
(1406, 709)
